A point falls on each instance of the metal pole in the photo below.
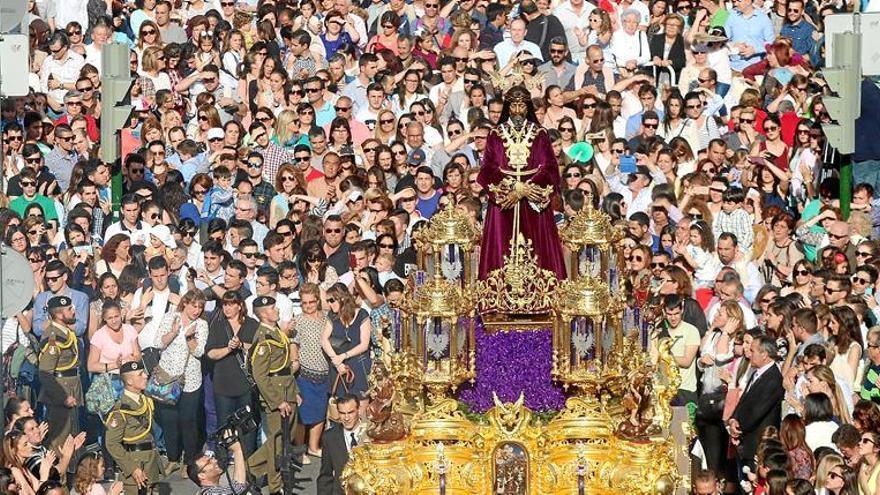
(3, 316)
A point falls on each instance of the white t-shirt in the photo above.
(283, 303)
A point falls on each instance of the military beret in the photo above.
(264, 301)
(131, 366)
(59, 302)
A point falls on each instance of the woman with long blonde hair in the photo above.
(821, 379)
(207, 117)
(386, 127)
(286, 129)
(148, 35)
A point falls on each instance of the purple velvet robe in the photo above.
(540, 227)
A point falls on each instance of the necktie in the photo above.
(751, 381)
(354, 441)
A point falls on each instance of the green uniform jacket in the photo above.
(131, 423)
(60, 352)
(270, 354)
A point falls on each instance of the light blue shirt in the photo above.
(80, 304)
(755, 31)
(325, 115)
(634, 123)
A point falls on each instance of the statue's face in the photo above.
(518, 109)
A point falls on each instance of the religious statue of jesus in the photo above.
(520, 172)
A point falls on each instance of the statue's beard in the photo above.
(518, 119)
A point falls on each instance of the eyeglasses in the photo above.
(303, 159)
(860, 280)
(65, 138)
(255, 164)
(249, 255)
(74, 32)
(658, 265)
(312, 90)
(28, 183)
(147, 32)
(838, 237)
(802, 273)
(829, 290)
(589, 106)
(805, 132)
(332, 231)
(867, 440)
(635, 258)
(386, 246)
(863, 254)
(566, 129)
(704, 81)
(616, 151)
(36, 260)
(771, 128)
(694, 107)
(556, 50)
(212, 140)
(650, 126)
(572, 176)
(598, 61)
(386, 121)
(50, 278)
(36, 159)
(746, 121)
(342, 109)
(286, 233)
(86, 89)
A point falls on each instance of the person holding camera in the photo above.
(273, 370)
(206, 472)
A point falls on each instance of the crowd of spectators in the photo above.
(291, 148)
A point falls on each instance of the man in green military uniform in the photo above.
(272, 369)
(61, 389)
(129, 437)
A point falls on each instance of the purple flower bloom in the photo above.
(512, 362)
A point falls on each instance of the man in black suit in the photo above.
(336, 443)
(761, 402)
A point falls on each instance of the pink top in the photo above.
(97, 489)
(110, 350)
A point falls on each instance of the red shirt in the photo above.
(313, 174)
(91, 126)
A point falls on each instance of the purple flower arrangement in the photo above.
(512, 362)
